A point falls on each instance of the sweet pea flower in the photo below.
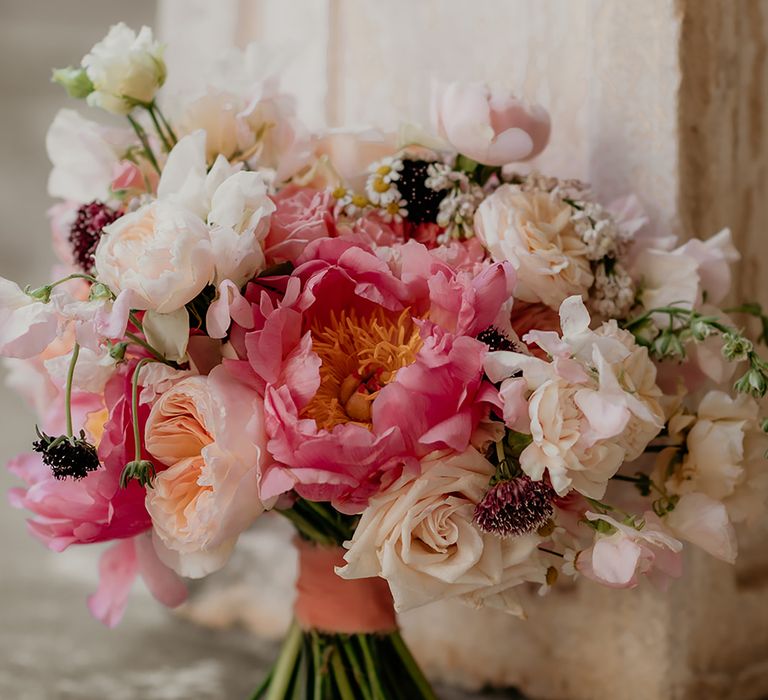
(490, 126)
(27, 325)
(84, 155)
(124, 69)
(617, 560)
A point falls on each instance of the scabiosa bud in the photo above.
(514, 506)
(68, 457)
(496, 340)
(423, 203)
(86, 231)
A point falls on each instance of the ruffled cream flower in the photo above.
(418, 534)
(534, 231)
(724, 452)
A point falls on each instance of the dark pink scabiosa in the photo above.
(514, 506)
(85, 233)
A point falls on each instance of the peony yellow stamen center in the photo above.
(359, 357)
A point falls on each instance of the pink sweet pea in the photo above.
(491, 127)
(617, 560)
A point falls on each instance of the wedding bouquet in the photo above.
(455, 376)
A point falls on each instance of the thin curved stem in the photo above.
(68, 394)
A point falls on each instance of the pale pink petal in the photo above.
(118, 568)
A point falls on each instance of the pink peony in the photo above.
(339, 358)
(491, 127)
(303, 215)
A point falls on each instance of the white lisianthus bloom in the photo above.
(125, 68)
(534, 231)
(161, 252)
(418, 534)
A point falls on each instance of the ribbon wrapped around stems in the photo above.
(329, 603)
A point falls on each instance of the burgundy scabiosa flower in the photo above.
(85, 233)
(514, 506)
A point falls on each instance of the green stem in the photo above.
(263, 687)
(158, 129)
(413, 668)
(156, 355)
(167, 126)
(144, 142)
(357, 670)
(68, 394)
(340, 675)
(373, 675)
(135, 407)
(286, 663)
(306, 528)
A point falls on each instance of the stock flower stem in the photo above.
(168, 128)
(68, 394)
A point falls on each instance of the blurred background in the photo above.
(664, 98)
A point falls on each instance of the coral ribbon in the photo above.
(329, 603)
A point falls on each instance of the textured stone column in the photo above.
(663, 98)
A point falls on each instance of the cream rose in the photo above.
(534, 231)
(161, 252)
(419, 535)
(209, 432)
(124, 68)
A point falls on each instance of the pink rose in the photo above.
(302, 216)
(491, 127)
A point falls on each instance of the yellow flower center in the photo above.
(359, 357)
(380, 186)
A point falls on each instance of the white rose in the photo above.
(161, 252)
(124, 68)
(534, 231)
(209, 432)
(419, 535)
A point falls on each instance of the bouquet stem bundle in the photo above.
(344, 643)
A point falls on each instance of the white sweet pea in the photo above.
(703, 521)
(229, 304)
(92, 371)
(168, 333)
(84, 155)
(161, 252)
(27, 325)
(124, 68)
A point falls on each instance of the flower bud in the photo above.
(74, 80)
